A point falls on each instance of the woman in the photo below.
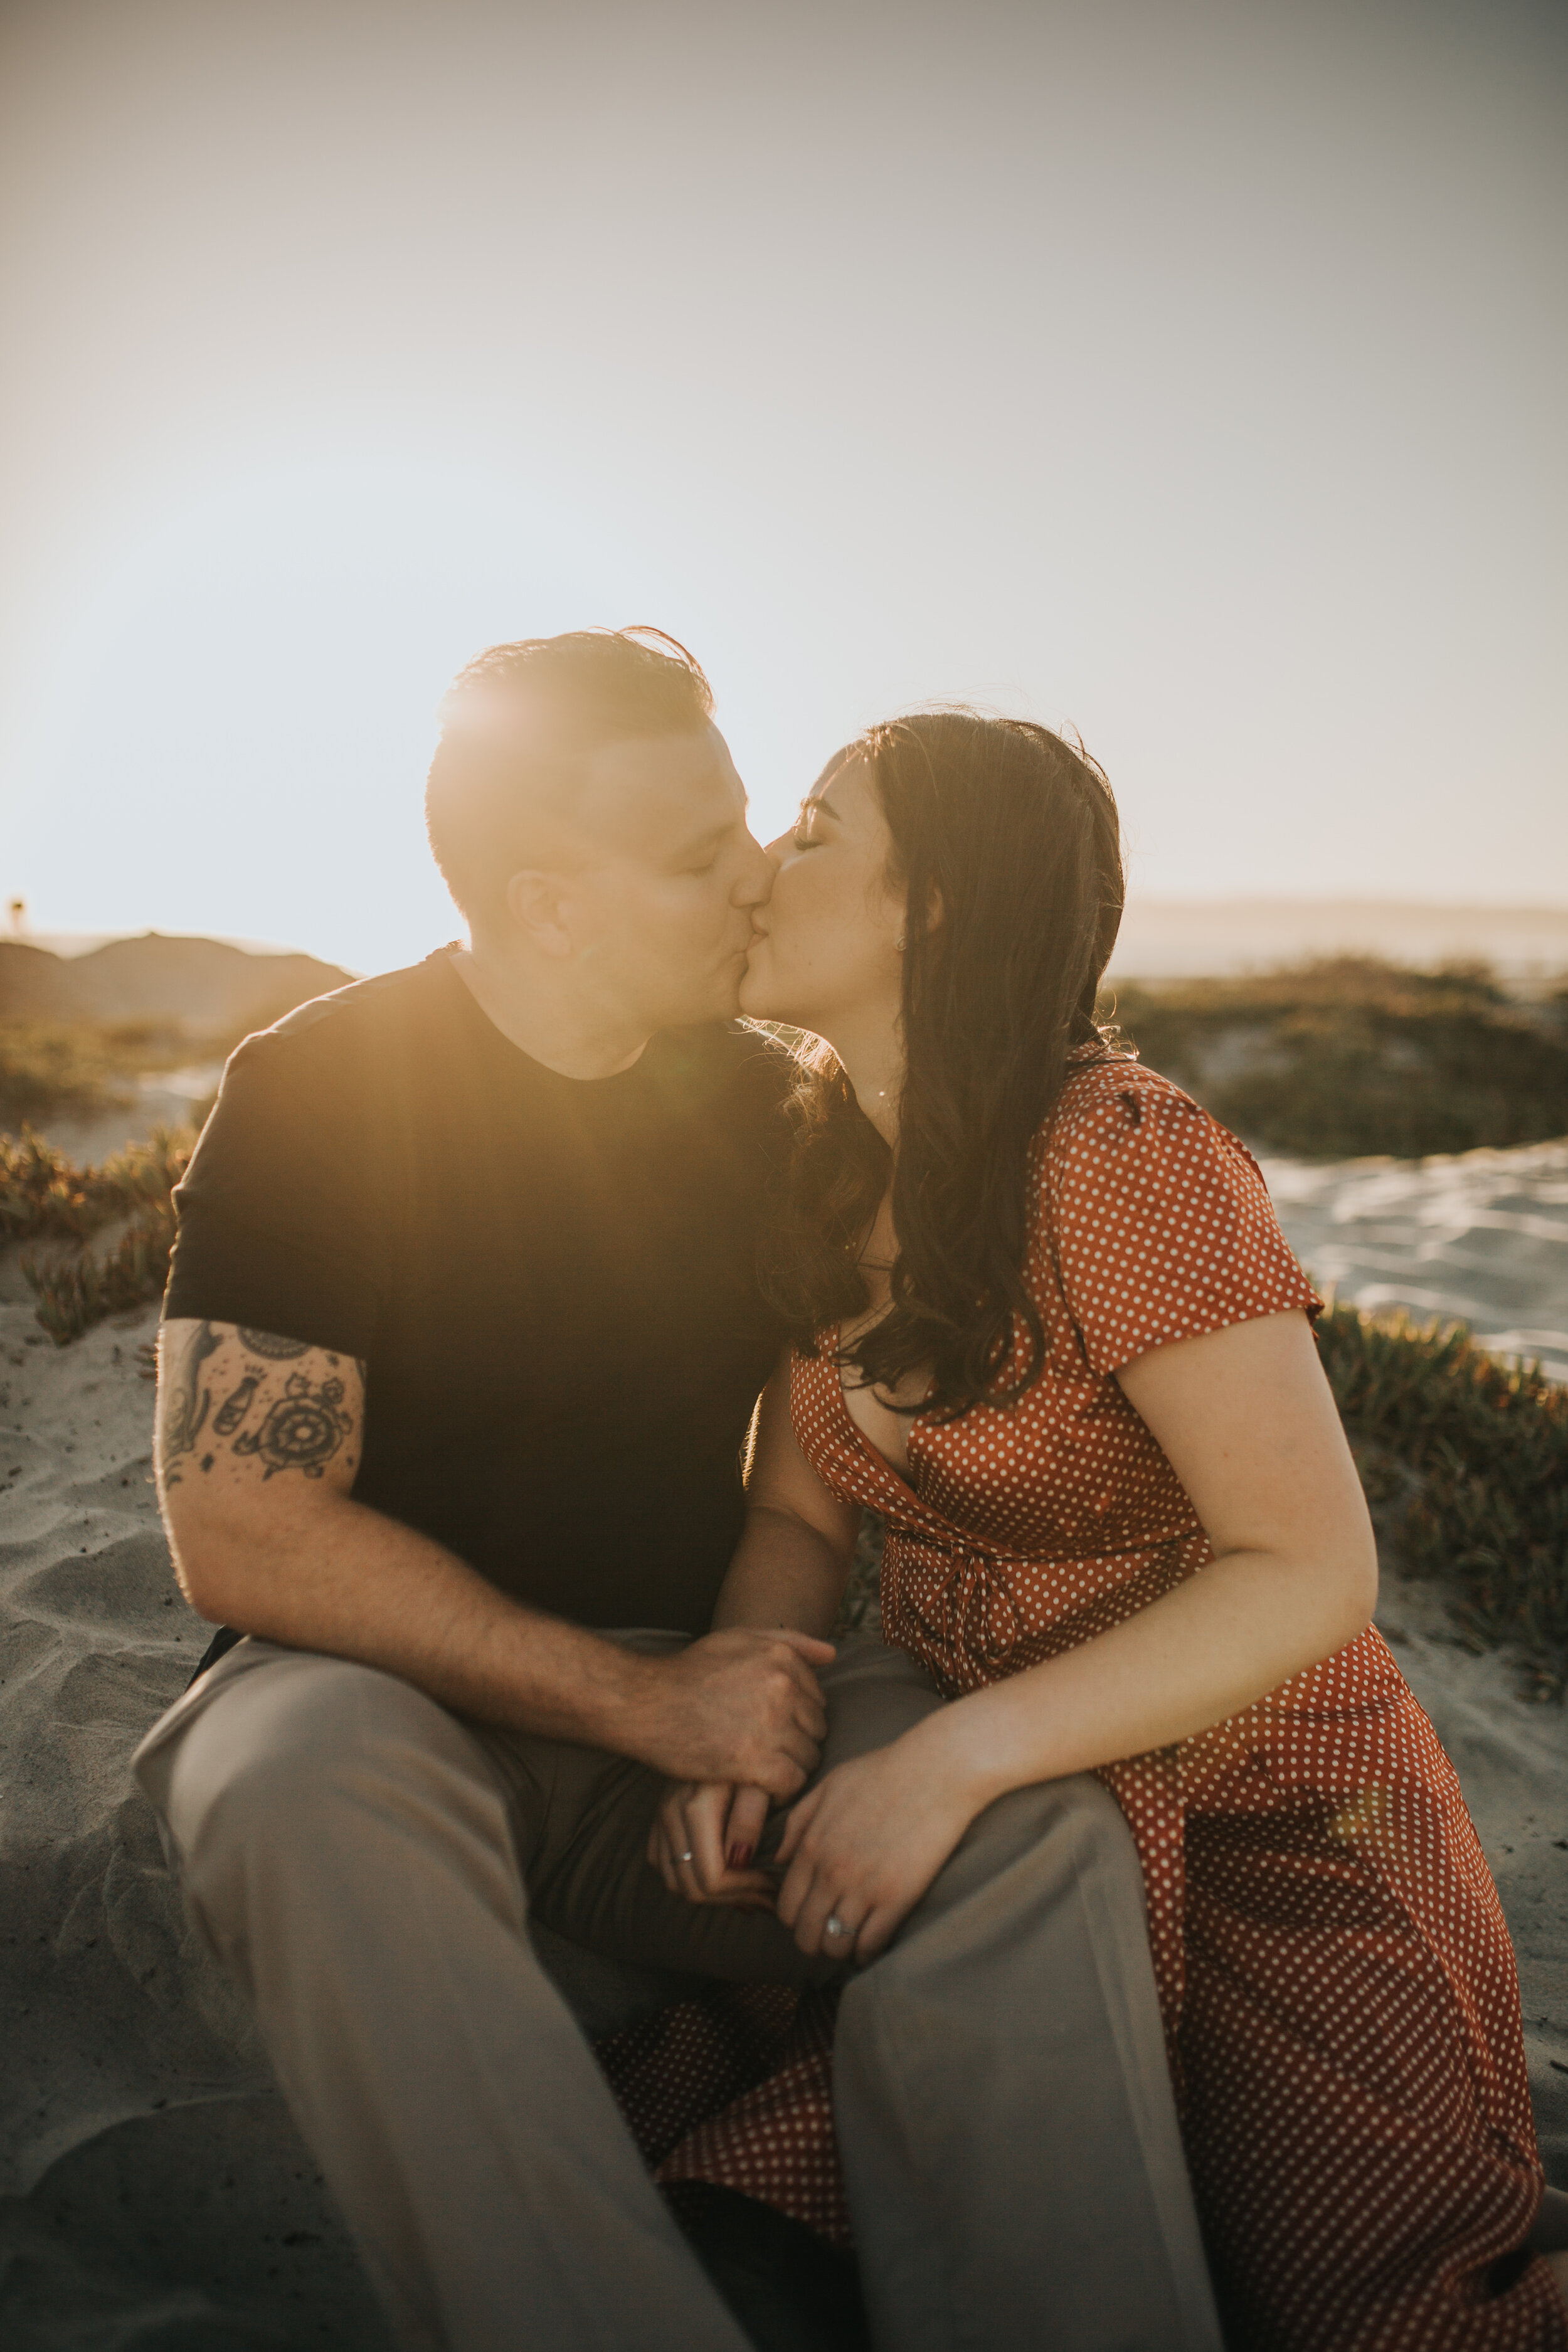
(1047, 1327)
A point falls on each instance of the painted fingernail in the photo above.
(740, 1855)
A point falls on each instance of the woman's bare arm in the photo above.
(789, 1573)
(1246, 1420)
(794, 1558)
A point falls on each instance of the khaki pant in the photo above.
(428, 1917)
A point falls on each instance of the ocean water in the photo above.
(1480, 1237)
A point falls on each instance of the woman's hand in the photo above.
(863, 1845)
(704, 1837)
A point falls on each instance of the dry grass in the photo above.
(44, 1196)
(52, 1069)
(47, 1067)
(1465, 1461)
(1348, 1056)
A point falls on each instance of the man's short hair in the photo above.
(493, 774)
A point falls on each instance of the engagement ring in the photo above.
(834, 1925)
(684, 1857)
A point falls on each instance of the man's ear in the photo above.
(536, 903)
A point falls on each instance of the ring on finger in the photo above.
(833, 1925)
(687, 1856)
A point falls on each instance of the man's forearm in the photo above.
(259, 1439)
(354, 1583)
(784, 1574)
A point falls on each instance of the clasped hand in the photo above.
(743, 1704)
(860, 1849)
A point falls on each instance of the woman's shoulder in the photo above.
(1120, 1131)
(1152, 1219)
(1111, 1096)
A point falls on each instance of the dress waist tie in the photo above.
(975, 1613)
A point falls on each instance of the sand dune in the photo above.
(152, 2193)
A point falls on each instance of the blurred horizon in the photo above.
(1187, 374)
(1166, 939)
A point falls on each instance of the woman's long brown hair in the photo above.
(1005, 840)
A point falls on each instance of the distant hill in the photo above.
(201, 988)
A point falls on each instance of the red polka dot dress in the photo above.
(1338, 1986)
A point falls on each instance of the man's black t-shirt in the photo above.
(551, 1281)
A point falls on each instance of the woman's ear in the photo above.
(933, 920)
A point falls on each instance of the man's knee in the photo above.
(287, 1759)
(873, 1694)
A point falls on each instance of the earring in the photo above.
(900, 943)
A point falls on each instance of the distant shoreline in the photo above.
(1193, 939)
(1186, 938)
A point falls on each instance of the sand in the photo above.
(152, 2193)
(152, 2190)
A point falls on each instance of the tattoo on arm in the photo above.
(302, 1431)
(271, 1344)
(303, 1426)
(232, 1412)
(188, 1401)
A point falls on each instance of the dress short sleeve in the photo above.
(1158, 1220)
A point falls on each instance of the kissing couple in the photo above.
(541, 1328)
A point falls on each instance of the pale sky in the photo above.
(1192, 375)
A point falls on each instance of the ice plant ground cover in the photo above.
(44, 1197)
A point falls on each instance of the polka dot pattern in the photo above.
(775, 2142)
(733, 2088)
(689, 2061)
(1336, 1977)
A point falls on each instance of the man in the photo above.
(462, 1342)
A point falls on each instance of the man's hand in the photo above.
(740, 1706)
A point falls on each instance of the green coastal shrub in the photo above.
(1465, 1461)
(53, 1069)
(73, 1294)
(49, 1067)
(1347, 1056)
(44, 1196)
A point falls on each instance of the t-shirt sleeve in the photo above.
(278, 1225)
(1160, 1224)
